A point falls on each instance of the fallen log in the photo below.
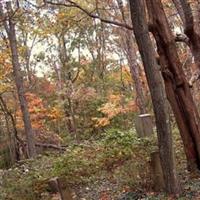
(50, 146)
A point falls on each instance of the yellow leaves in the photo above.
(122, 75)
(114, 98)
(115, 106)
(5, 70)
(126, 75)
(3, 87)
(62, 18)
(110, 109)
(55, 114)
(99, 122)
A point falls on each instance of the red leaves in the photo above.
(105, 196)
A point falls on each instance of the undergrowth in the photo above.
(119, 156)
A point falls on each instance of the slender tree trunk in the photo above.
(129, 48)
(191, 24)
(10, 29)
(134, 69)
(177, 87)
(69, 105)
(12, 141)
(192, 30)
(27, 65)
(154, 80)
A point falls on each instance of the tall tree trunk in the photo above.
(10, 29)
(177, 87)
(134, 69)
(192, 30)
(129, 48)
(154, 80)
(68, 105)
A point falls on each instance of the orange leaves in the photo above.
(115, 106)
(55, 114)
(37, 111)
(99, 122)
(111, 110)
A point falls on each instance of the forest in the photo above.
(99, 100)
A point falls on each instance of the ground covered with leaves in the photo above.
(114, 166)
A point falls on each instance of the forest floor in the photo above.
(113, 168)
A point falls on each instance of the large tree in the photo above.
(177, 87)
(9, 25)
(147, 52)
(128, 44)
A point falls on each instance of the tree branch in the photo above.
(51, 146)
(90, 14)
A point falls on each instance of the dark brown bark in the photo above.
(177, 88)
(129, 47)
(157, 93)
(192, 30)
(10, 29)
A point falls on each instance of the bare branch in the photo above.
(50, 146)
(70, 3)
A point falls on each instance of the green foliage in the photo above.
(110, 153)
(27, 179)
(117, 155)
(5, 161)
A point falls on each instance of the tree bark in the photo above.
(157, 172)
(154, 80)
(180, 10)
(10, 29)
(69, 109)
(129, 48)
(12, 135)
(134, 69)
(177, 87)
(192, 30)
